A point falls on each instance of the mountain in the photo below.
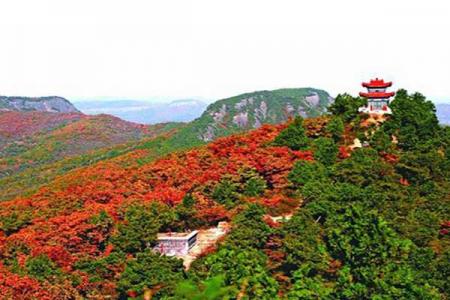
(44, 104)
(143, 112)
(443, 113)
(27, 164)
(308, 214)
(251, 110)
(33, 145)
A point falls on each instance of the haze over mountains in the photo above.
(145, 112)
(443, 112)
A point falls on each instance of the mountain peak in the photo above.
(251, 110)
(53, 104)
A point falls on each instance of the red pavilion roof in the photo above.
(376, 83)
(376, 95)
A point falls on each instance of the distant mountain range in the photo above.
(443, 113)
(44, 104)
(145, 112)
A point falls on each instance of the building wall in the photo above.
(170, 245)
(173, 247)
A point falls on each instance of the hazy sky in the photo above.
(214, 49)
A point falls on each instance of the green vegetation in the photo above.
(373, 222)
(293, 136)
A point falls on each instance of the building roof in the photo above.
(176, 235)
(377, 83)
(377, 95)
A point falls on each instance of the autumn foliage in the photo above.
(57, 220)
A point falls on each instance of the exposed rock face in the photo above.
(219, 115)
(44, 104)
(313, 99)
(241, 119)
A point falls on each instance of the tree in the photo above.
(243, 269)
(186, 214)
(152, 273)
(249, 229)
(306, 171)
(413, 120)
(254, 186)
(346, 106)
(335, 128)
(13, 222)
(42, 268)
(226, 192)
(325, 151)
(381, 141)
(140, 226)
(364, 167)
(303, 244)
(213, 288)
(306, 286)
(374, 258)
(293, 136)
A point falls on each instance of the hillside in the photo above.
(33, 141)
(43, 104)
(27, 164)
(362, 223)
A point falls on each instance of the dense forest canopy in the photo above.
(369, 222)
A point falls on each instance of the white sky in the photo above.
(214, 49)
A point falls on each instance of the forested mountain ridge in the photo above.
(44, 104)
(251, 110)
(32, 142)
(370, 222)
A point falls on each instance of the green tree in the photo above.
(42, 268)
(244, 270)
(307, 286)
(185, 214)
(381, 141)
(306, 171)
(303, 244)
(375, 259)
(325, 151)
(249, 229)
(335, 128)
(152, 273)
(210, 289)
(364, 167)
(13, 222)
(293, 136)
(254, 186)
(346, 106)
(413, 120)
(226, 192)
(140, 226)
